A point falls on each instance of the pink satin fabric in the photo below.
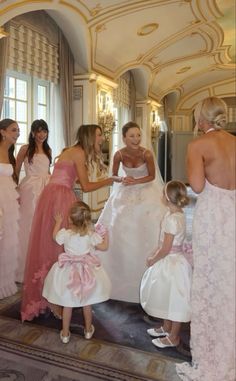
(82, 279)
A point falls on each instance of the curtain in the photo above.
(66, 64)
(56, 135)
(4, 44)
(31, 52)
(132, 97)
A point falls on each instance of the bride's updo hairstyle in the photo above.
(127, 126)
(213, 110)
(176, 193)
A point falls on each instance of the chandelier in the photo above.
(3, 33)
(105, 113)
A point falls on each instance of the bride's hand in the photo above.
(128, 180)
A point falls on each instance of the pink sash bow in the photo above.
(82, 279)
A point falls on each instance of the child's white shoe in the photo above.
(157, 332)
(89, 334)
(65, 339)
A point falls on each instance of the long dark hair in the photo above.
(4, 124)
(36, 126)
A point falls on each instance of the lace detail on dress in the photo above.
(213, 289)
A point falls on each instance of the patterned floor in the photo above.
(33, 352)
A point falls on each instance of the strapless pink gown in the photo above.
(30, 188)
(57, 196)
(9, 215)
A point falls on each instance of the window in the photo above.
(25, 99)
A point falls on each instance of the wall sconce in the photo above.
(155, 121)
(105, 113)
(3, 33)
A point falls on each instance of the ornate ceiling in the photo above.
(180, 47)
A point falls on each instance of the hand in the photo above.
(152, 259)
(128, 180)
(117, 179)
(58, 217)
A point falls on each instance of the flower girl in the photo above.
(77, 279)
(165, 286)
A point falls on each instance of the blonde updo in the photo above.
(213, 110)
(176, 193)
(80, 217)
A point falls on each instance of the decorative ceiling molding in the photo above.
(147, 29)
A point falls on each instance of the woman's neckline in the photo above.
(133, 167)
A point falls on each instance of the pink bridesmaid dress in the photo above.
(30, 188)
(43, 251)
(9, 215)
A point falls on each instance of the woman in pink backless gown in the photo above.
(58, 195)
(36, 157)
(212, 174)
(9, 208)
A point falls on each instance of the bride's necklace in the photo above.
(210, 129)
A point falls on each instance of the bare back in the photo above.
(212, 157)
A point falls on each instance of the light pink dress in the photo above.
(37, 176)
(43, 251)
(9, 215)
(213, 289)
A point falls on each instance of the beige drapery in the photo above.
(66, 64)
(4, 43)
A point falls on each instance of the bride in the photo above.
(132, 215)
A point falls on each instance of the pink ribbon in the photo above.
(185, 249)
(82, 279)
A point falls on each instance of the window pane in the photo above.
(21, 89)
(9, 109)
(42, 112)
(42, 98)
(23, 138)
(10, 87)
(17, 148)
(21, 111)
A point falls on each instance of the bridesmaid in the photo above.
(9, 208)
(74, 163)
(36, 156)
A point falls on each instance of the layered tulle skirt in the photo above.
(9, 216)
(43, 251)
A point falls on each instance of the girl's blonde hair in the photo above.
(213, 110)
(80, 216)
(176, 193)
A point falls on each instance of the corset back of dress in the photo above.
(64, 173)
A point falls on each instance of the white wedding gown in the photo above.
(132, 215)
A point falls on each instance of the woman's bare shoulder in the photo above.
(72, 153)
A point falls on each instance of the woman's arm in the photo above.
(195, 165)
(116, 163)
(19, 159)
(58, 220)
(163, 251)
(82, 172)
